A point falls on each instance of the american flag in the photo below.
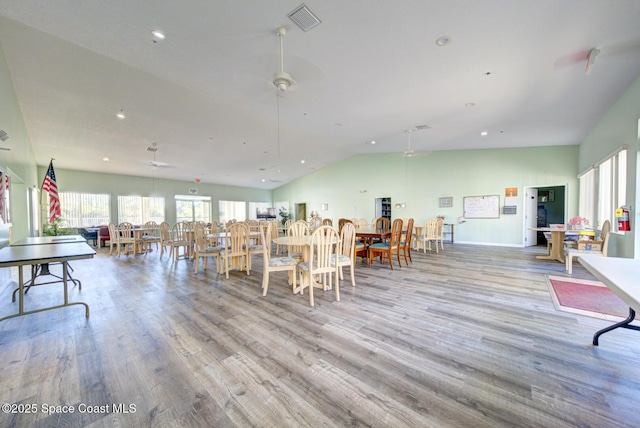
(51, 186)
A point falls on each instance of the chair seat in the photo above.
(305, 266)
(211, 250)
(576, 251)
(381, 245)
(342, 260)
(282, 261)
(360, 245)
(254, 248)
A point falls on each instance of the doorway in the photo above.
(543, 206)
(301, 211)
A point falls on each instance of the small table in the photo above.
(557, 243)
(39, 254)
(620, 276)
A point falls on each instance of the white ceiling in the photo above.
(369, 71)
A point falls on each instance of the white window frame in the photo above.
(199, 207)
(140, 209)
(85, 209)
(603, 188)
(232, 210)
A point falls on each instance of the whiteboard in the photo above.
(487, 206)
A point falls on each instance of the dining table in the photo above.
(369, 235)
(557, 242)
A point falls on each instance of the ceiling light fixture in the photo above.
(302, 161)
(373, 142)
(484, 133)
(120, 115)
(442, 41)
(158, 34)
(105, 159)
(470, 105)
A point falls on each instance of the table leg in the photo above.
(557, 247)
(622, 324)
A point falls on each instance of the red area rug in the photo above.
(590, 298)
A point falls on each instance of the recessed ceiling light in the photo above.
(470, 105)
(120, 115)
(442, 41)
(158, 34)
(484, 133)
(105, 159)
(373, 142)
(263, 180)
(302, 161)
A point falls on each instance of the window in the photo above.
(140, 209)
(253, 209)
(598, 201)
(232, 210)
(193, 208)
(588, 195)
(85, 209)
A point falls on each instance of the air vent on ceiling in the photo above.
(152, 149)
(193, 191)
(3, 135)
(304, 17)
(422, 127)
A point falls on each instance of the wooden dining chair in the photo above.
(298, 228)
(406, 242)
(348, 249)
(165, 238)
(321, 250)
(387, 249)
(429, 234)
(204, 250)
(275, 264)
(440, 233)
(126, 238)
(234, 254)
(151, 235)
(180, 239)
(113, 237)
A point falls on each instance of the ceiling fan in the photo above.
(283, 80)
(410, 153)
(154, 164)
(589, 56)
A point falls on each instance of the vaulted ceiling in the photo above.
(371, 70)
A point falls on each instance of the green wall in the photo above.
(89, 182)
(617, 128)
(351, 187)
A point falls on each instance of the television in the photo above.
(267, 213)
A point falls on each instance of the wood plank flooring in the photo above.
(465, 338)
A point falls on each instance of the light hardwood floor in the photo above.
(465, 338)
